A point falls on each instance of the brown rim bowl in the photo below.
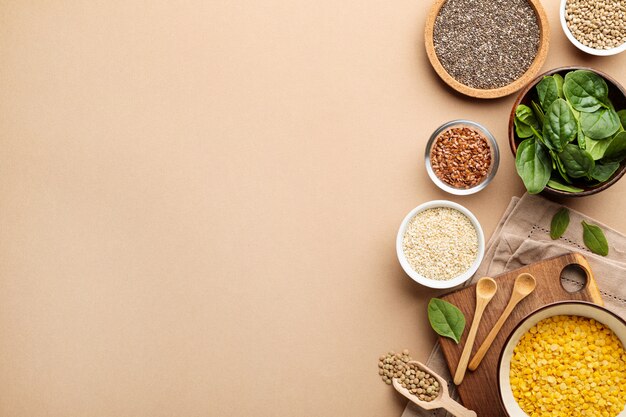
(617, 95)
(542, 52)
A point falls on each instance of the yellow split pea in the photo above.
(569, 366)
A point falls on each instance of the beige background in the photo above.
(199, 200)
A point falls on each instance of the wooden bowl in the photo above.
(617, 95)
(542, 52)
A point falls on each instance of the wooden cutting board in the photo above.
(479, 390)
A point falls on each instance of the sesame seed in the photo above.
(440, 243)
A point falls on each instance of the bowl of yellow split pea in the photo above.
(565, 359)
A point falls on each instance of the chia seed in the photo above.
(486, 44)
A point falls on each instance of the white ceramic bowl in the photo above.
(568, 308)
(433, 283)
(585, 48)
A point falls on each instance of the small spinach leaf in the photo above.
(594, 239)
(559, 84)
(533, 165)
(564, 187)
(560, 126)
(582, 142)
(616, 149)
(522, 130)
(596, 148)
(585, 90)
(600, 124)
(560, 168)
(548, 91)
(622, 118)
(603, 171)
(539, 114)
(559, 223)
(525, 115)
(577, 162)
(446, 319)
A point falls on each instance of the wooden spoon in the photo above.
(442, 401)
(524, 285)
(485, 290)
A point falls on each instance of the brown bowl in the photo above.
(542, 52)
(617, 95)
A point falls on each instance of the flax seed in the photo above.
(461, 157)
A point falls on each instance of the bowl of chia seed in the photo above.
(487, 49)
(597, 27)
(440, 244)
(461, 157)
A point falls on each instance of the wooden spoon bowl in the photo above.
(442, 401)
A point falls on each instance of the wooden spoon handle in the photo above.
(484, 348)
(469, 343)
(456, 409)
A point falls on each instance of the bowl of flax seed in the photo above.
(461, 157)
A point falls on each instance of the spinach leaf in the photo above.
(578, 163)
(522, 130)
(560, 168)
(446, 319)
(582, 142)
(616, 149)
(525, 115)
(559, 84)
(594, 239)
(533, 165)
(563, 187)
(539, 114)
(603, 171)
(600, 124)
(622, 118)
(548, 91)
(597, 148)
(560, 126)
(585, 90)
(559, 223)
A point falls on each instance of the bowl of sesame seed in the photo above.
(597, 27)
(461, 157)
(440, 244)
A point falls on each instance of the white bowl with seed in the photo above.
(462, 157)
(597, 27)
(440, 244)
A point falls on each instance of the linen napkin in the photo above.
(523, 237)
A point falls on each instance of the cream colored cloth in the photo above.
(521, 238)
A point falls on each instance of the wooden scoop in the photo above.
(442, 401)
(524, 285)
(485, 290)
